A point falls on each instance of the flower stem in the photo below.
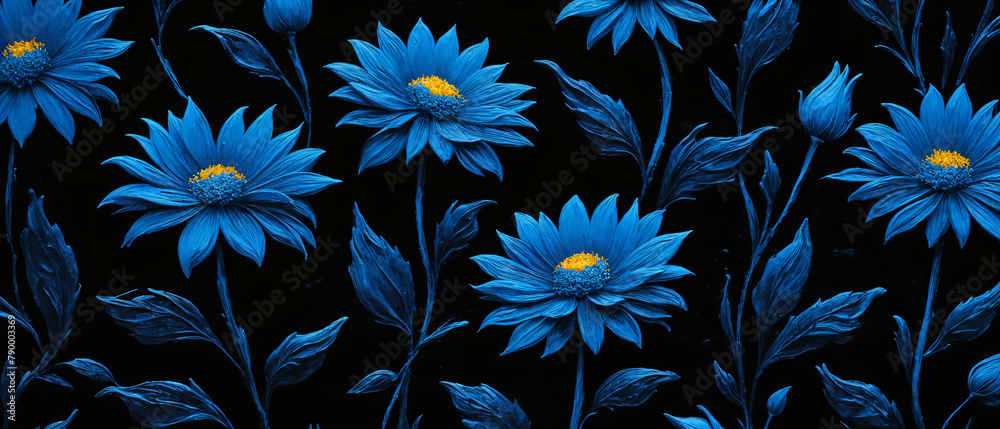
(955, 412)
(8, 215)
(158, 46)
(769, 417)
(578, 391)
(918, 354)
(662, 134)
(293, 51)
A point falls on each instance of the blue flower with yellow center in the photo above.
(425, 92)
(943, 167)
(620, 16)
(588, 273)
(50, 62)
(245, 183)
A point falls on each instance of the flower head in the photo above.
(621, 16)
(427, 93)
(52, 63)
(943, 167)
(826, 111)
(287, 16)
(984, 381)
(590, 272)
(244, 183)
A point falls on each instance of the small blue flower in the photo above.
(826, 111)
(287, 16)
(426, 92)
(244, 184)
(50, 61)
(984, 381)
(943, 167)
(588, 273)
(621, 15)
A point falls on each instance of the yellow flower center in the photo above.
(580, 261)
(216, 170)
(437, 86)
(18, 49)
(947, 158)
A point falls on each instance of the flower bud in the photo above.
(287, 16)
(826, 111)
(776, 403)
(984, 381)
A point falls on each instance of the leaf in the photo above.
(721, 91)
(695, 422)
(441, 331)
(882, 13)
(63, 424)
(780, 286)
(948, 44)
(984, 33)
(159, 317)
(51, 269)
(860, 404)
(968, 321)
(776, 403)
(629, 388)
(607, 124)
(246, 51)
(91, 369)
(298, 356)
(697, 164)
(822, 323)
(484, 408)
(904, 344)
(767, 32)
(55, 379)
(726, 313)
(382, 279)
(147, 402)
(456, 230)
(726, 384)
(771, 180)
(374, 382)
(751, 214)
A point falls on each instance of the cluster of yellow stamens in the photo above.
(437, 86)
(216, 170)
(580, 261)
(947, 158)
(18, 49)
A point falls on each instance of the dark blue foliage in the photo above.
(55, 379)
(776, 403)
(51, 269)
(780, 286)
(159, 317)
(727, 384)
(246, 51)
(968, 320)
(695, 422)
(63, 424)
(767, 32)
(145, 402)
(377, 381)
(904, 343)
(382, 279)
(91, 369)
(298, 356)
(456, 231)
(984, 33)
(441, 331)
(948, 45)
(721, 91)
(771, 180)
(629, 388)
(859, 404)
(984, 381)
(755, 231)
(484, 408)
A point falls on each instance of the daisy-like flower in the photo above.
(943, 167)
(426, 92)
(621, 15)
(49, 61)
(588, 273)
(243, 184)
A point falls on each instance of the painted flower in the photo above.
(426, 92)
(244, 183)
(984, 381)
(50, 62)
(588, 273)
(943, 167)
(287, 16)
(826, 111)
(621, 15)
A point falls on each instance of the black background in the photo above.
(519, 32)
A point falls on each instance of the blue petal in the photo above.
(197, 135)
(528, 334)
(591, 325)
(230, 137)
(420, 49)
(911, 215)
(301, 184)
(574, 226)
(515, 291)
(469, 62)
(479, 157)
(198, 239)
(56, 112)
(623, 325)
(158, 220)
(243, 233)
(445, 52)
(22, 116)
(142, 170)
(419, 136)
(383, 147)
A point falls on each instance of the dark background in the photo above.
(848, 254)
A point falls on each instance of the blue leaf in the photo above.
(726, 313)
(484, 408)
(698, 163)
(695, 422)
(755, 231)
(771, 180)
(822, 323)
(968, 321)
(63, 424)
(51, 269)
(298, 356)
(146, 402)
(441, 331)
(948, 44)
(780, 286)
(904, 344)
(726, 384)
(382, 279)
(456, 230)
(984, 33)
(629, 388)
(776, 403)
(159, 317)
(374, 382)
(721, 91)
(91, 369)
(55, 379)
(607, 124)
(858, 403)
(767, 32)
(246, 51)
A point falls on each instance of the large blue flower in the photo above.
(943, 167)
(621, 15)
(50, 61)
(237, 184)
(588, 273)
(423, 92)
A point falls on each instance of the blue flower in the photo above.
(621, 15)
(238, 184)
(287, 16)
(423, 92)
(984, 381)
(50, 62)
(943, 167)
(589, 273)
(826, 111)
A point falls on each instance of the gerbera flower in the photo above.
(943, 167)
(239, 183)
(589, 273)
(423, 92)
(50, 61)
(621, 15)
